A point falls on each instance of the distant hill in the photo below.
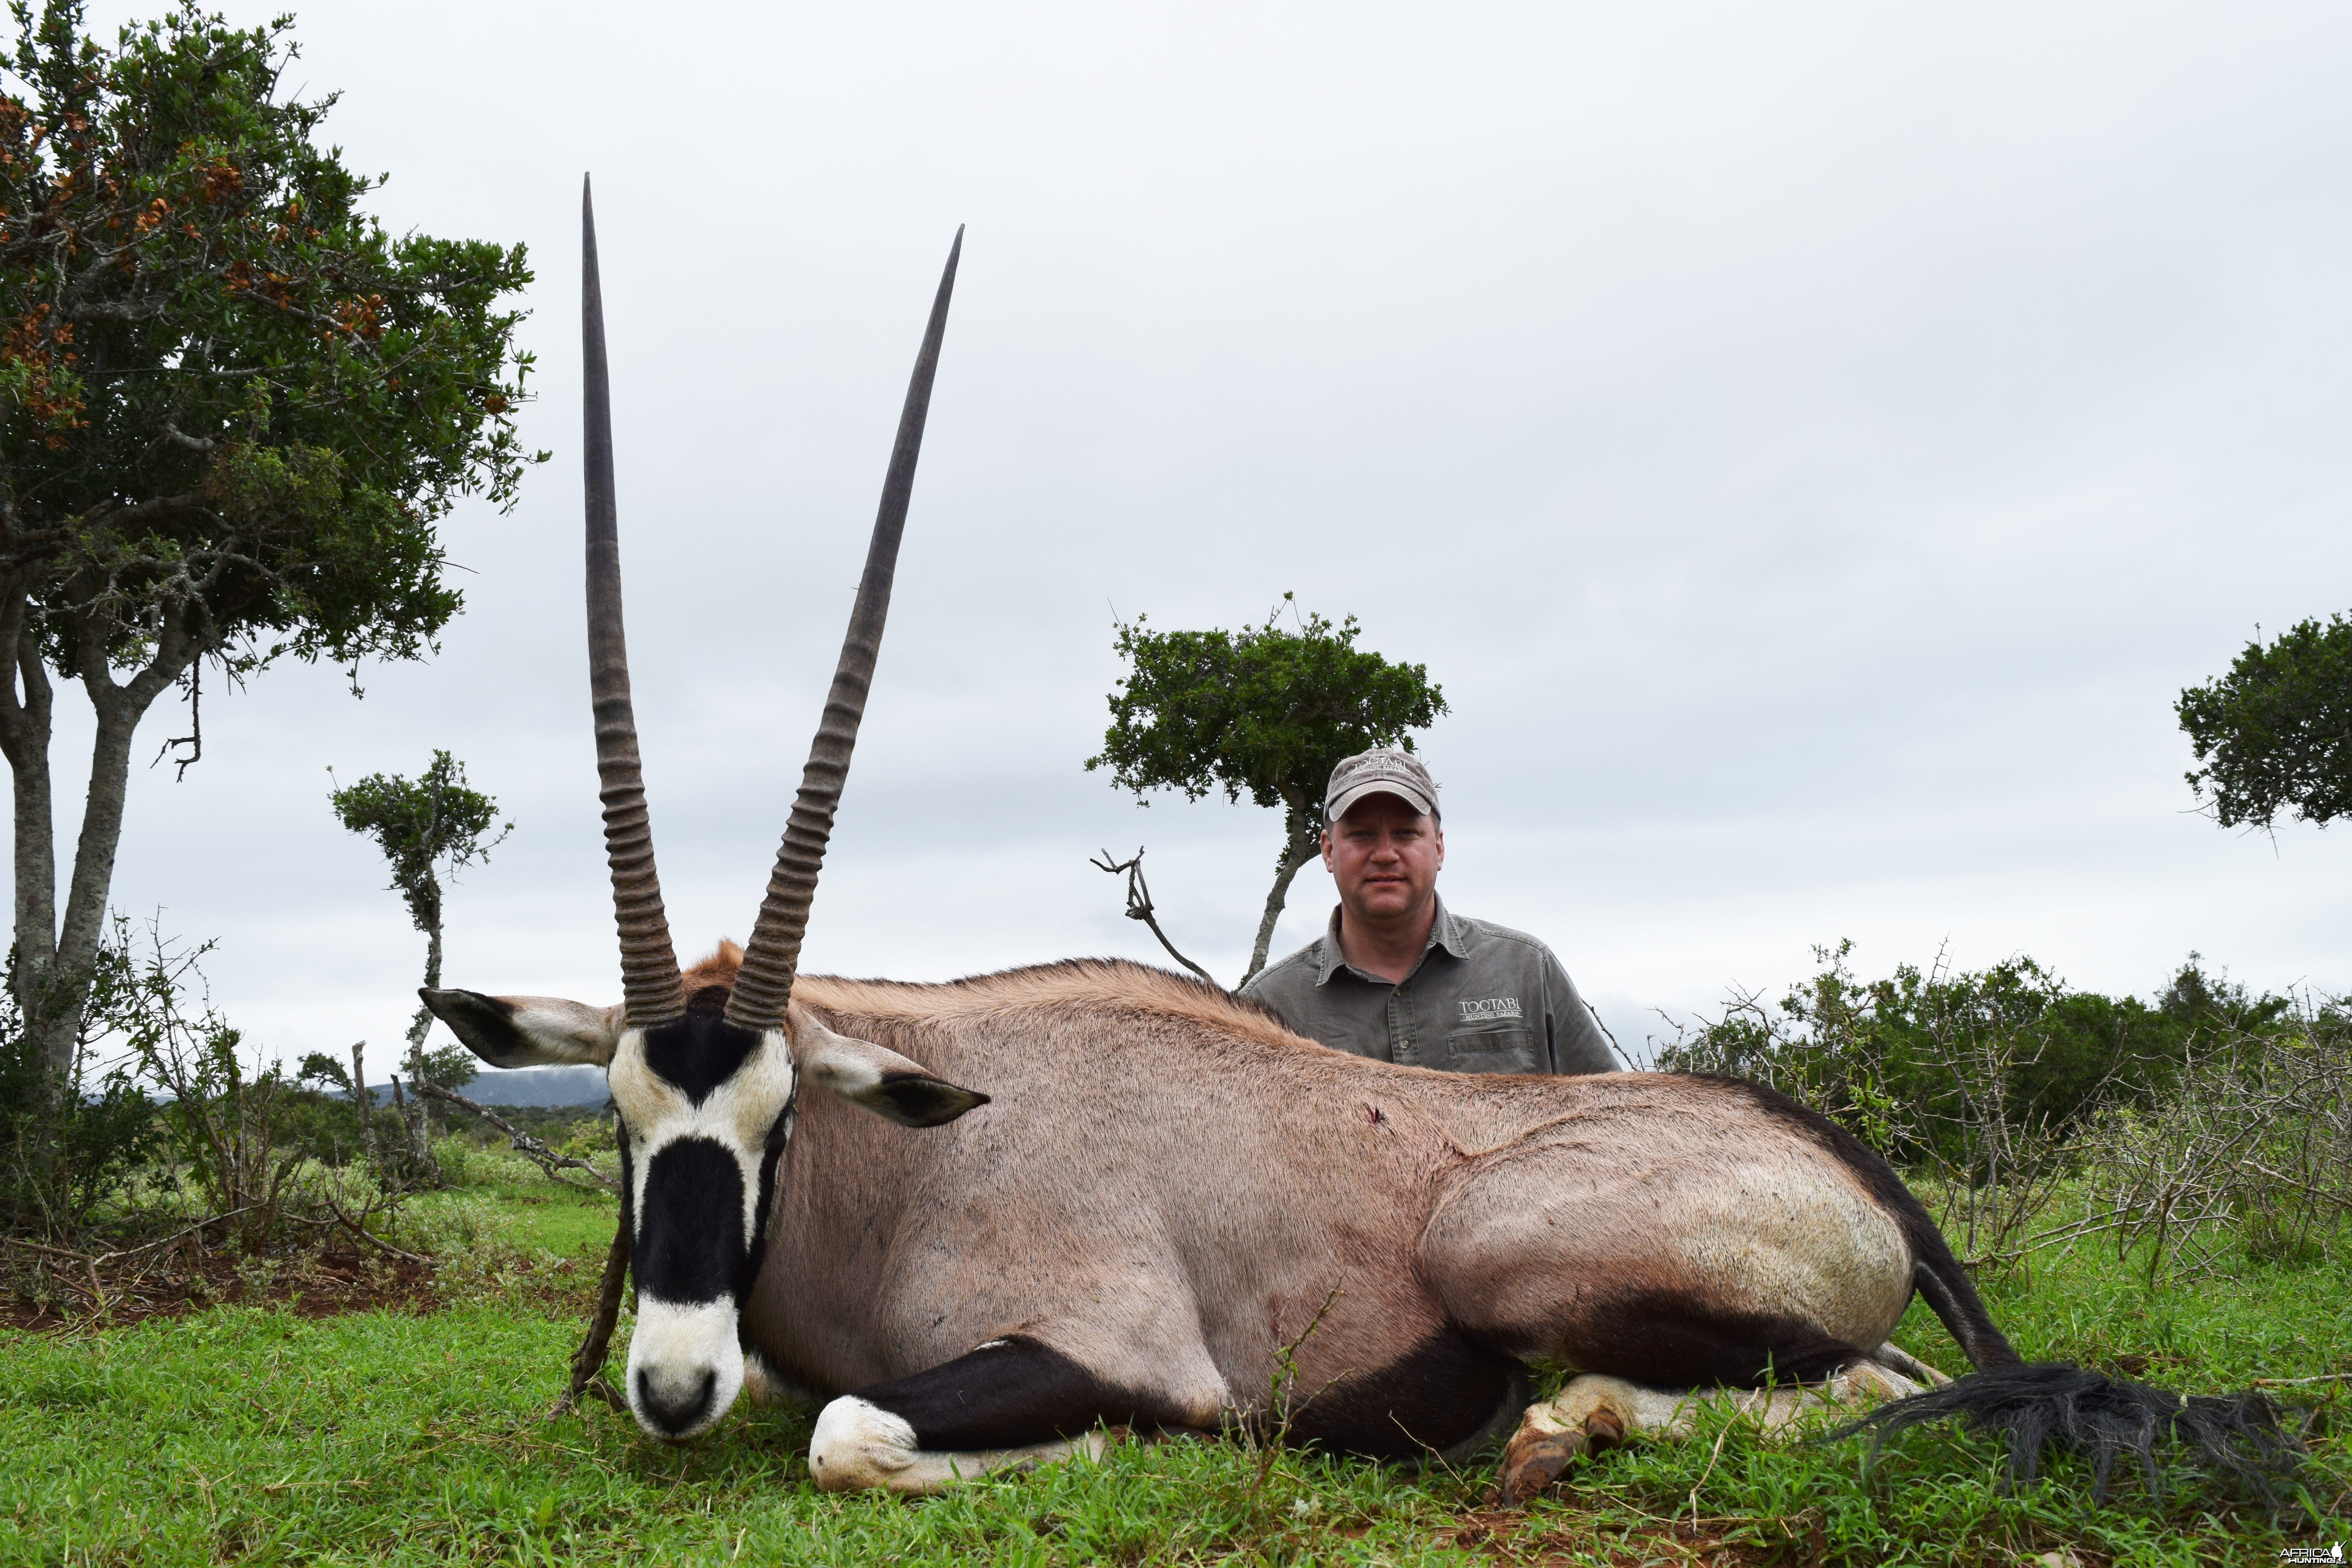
(525, 1086)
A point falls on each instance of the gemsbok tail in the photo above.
(2034, 1405)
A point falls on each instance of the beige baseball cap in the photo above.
(1383, 770)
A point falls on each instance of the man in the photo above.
(1398, 978)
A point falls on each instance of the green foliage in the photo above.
(448, 1067)
(326, 1127)
(1266, 713)
(232, 408)
(420, 824)
(69, 1146)
(321, 1068)
(224, 1127)
(2275, 733)
(1880, 1056)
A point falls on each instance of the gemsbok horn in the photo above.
(651, 991)
(764, 986)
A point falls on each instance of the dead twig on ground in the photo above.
(335, 1211)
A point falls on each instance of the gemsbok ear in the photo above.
(529, 1031)
(883, 1081)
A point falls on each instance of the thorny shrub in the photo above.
(2253, 1152)
(2208, 1116)
(222, 1145)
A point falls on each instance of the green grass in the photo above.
(511, 1205)
(241, 1435)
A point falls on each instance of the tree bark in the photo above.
(421, 1028)
(1302, 846)
(64, 990)
(50, 978)
(25, 740)
(366, 1103)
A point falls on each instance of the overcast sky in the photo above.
(1812, 446)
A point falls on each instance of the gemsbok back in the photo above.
(1149, 1188)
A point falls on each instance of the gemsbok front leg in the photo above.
(1012, 1403)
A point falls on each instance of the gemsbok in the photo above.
(1132, 1193)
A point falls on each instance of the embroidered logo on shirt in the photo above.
(1491, 1007)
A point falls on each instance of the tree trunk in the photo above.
(119, 709)
(25, 740)
(51, 975)
(366, 1103)
(420, 1028)
(1302, 846)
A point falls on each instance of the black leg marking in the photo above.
(1670, 1341)
(1432, 1398)
(1009, 1394)
(690, 1237)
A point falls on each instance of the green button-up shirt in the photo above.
(1484, 999)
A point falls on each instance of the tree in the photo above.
(2275, 733)
(232, 410)
(1266, 711)
(421, 824)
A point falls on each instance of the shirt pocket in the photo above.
(1498, 1046)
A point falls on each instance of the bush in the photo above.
(2251, 1155)
(251, 1154)
(69, 1146)
(1883, 1057)
(1988, 1085)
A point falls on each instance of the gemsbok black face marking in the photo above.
(705, 1089)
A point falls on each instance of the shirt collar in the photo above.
(1444, 932)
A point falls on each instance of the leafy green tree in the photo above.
(2275, 733)
(422, 825)
(1267, 712)
(231, 411)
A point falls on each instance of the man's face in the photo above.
(1384, 857)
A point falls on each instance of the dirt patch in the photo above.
(49, 1292)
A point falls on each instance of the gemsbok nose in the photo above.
(677, 1405)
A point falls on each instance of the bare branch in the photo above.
(1140, 908)
(337, 1217)
(195, 739)
(528, 1147)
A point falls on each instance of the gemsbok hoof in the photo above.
(1529, 1465)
